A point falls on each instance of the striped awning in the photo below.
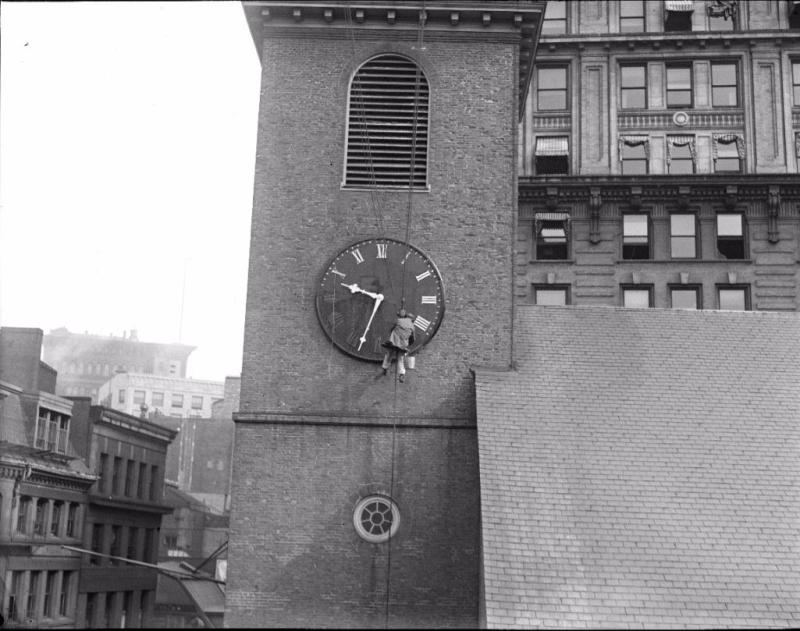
(679, 5)
(552, 146)
(635, 141)
(551, 216)
(680, 141)
(728, 145)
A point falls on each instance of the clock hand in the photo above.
(378, 301)
(354, 288)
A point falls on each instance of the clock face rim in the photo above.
(330, 263)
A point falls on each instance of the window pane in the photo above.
(632, 76)
(719, 23)
(723, 74)
(796, 92)
(631, 25)
(796, 73)
(551, 296)
(684, 299)
(552, 100)
(728, 164)
(679, 79)
(683, 247)
(552, 78)
(679, 98)
(631, 8)
(634, 97)
(634, 167)
(723, 97)
(682, 225)
(637, 298)
(732, 299)
(634, 226)
(729, 225)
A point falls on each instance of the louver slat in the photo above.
(387, 136)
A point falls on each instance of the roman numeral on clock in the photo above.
(421, 323)
(358, 256)
(429, 300)
(423, 275)
(381, 250)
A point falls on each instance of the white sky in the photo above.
(127, 144)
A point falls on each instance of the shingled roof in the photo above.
(641, 467)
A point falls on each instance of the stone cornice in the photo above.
(435, 20)
(350, 418)
(644, 189)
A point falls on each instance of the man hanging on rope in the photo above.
(401, 337)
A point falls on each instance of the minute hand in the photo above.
(378, 301)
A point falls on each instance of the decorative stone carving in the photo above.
(773, 209)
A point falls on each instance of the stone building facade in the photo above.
(658, 153)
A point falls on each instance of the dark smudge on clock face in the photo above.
(363, 287)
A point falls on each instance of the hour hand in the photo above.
(354, 288)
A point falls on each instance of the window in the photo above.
(197, 402)
(678, 15)
(724, 85)
(22, 514)
(117, 479)
(555, 18)
(551, 295)
(149, 540)
(177, 400)
(14, 613)
(733, 298)
(551, 88)
(121, 396)
(552, 236)
(55, 518)
(133, 539)
(102, 471)
(171, 541)
(127, 608)
(33, 593)
(153, 482)
(679, 86)
(376, 518)
(66, 589)
(158, 399)
(635, 237)
(730, 235)
(91, 609)
(116, 542)
(552, 156)
(685, 297)
(39, 517)
(96, 543)
(387, 126)
(721, 16)
(634, 153)
(728, 150)
(130, 471)
(49, 586)
(51, 431)
(680, 155)
(796, 83)
(683, 236)
(138, 397)
(633, 87)
(72, 518)
(140, 482)
(631, 16)
(637, 296)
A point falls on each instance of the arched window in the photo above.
(387, 125)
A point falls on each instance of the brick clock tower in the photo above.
(386, 178)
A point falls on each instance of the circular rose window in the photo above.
(376, 518)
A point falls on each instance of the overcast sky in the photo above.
(127, 144)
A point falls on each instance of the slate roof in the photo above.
(641, 468)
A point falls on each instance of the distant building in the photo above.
(199, 459)
(161, 395)
(43, 489)
(187, 599)
(192, 532)
(124, 518)
(85, 362)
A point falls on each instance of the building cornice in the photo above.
(516, 21)
(132, 424)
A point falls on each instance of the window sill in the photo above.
(556, 261)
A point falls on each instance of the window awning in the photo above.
(728, 145)
(679, 5)
(552, 147)
(551, 216)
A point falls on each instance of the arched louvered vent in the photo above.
(387, 129)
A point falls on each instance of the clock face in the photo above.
(349, 304)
